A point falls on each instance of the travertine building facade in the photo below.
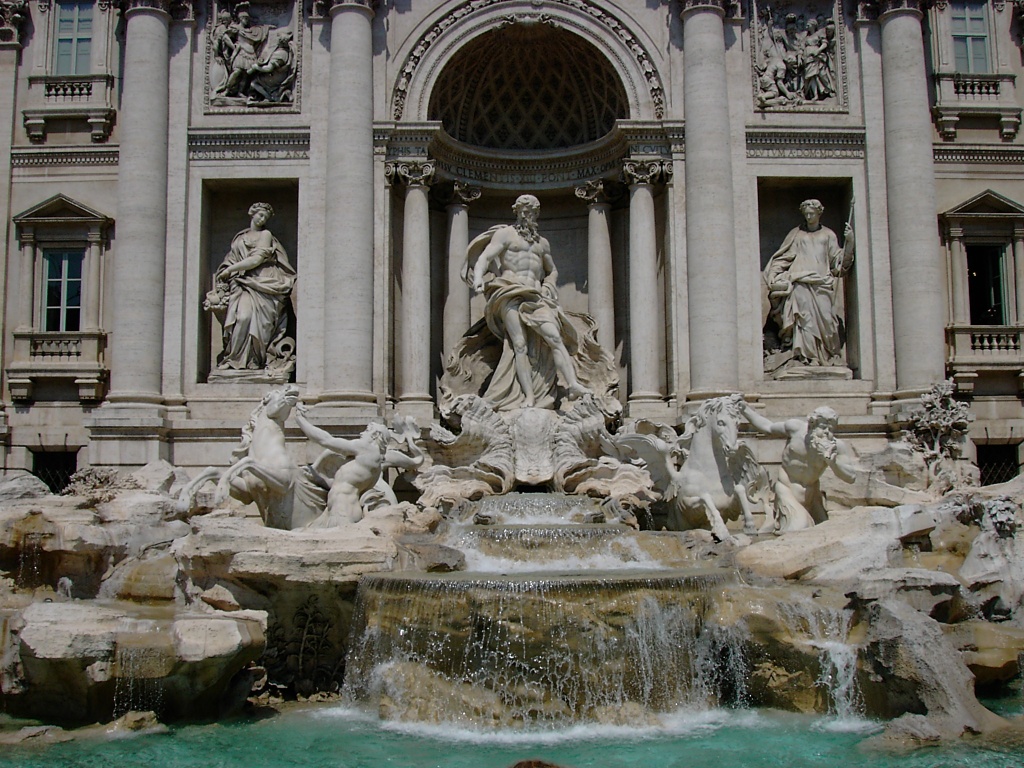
(670, 145)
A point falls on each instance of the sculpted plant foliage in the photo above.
(938, 429)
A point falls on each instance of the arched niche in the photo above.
(441, 38)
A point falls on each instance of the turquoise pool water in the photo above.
(341, 737)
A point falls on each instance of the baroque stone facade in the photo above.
(671, 147)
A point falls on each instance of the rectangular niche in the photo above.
(225, 216)
(811, 347)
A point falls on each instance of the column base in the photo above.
(647, 405)
(347, 408)
(419, 407)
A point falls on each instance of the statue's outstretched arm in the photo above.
(326, 439)
(763, 424)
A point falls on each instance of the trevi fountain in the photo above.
(530, 577)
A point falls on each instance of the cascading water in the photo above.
(829, 630)
(139, 669)
(536, 635)
(529, 649)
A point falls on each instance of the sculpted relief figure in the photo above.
(546, 352)
(802, 278)
(258, 63)
(811, 448)
(252, 291)
(795, 59)
(273, 78)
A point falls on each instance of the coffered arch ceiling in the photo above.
(529, 88)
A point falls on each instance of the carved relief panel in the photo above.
(799, 56)
(253, 60)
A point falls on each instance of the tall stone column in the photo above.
(348, 272)
(91, 315)
(138, 277)
(644, 356)
(456, 305)
(412, 375)
(958, 266)
(1018, 272)
(710, 244)
(914, 251)
(27, 283)
(600, 293)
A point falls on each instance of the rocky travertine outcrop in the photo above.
(79, 662)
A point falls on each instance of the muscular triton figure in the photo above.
(522, 302)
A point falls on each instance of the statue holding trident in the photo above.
(542, 346)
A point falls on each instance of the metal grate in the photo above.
(997, 463)
(54, 468)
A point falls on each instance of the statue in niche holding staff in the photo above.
(802, 278)
(547, 355)
(252, 291)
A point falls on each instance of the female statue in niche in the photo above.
(802, 277)
(250, 298)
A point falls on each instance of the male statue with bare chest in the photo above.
(522, 309)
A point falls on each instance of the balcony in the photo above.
(976, 349)
(78, 356)
(89, 98)
(984, 95)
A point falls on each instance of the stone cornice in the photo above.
(79, 156)
(978, 154)
(264, 144)
(796, 143)
(13, 14)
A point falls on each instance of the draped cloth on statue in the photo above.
(256, 317)
(504, 391)
(809, 264)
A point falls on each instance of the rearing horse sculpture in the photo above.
(705, 473)
(263, 472)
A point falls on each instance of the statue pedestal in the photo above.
(805, 372)
(254, 376)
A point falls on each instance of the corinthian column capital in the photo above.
(716, 6)
(646, 171)
(179, 10)
(324, 9)
(410, 172)
(13, 14)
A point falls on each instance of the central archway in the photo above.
(528, 88)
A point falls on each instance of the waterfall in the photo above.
(139, 669)
(533, 649)
(30, 560)
(828, 630)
